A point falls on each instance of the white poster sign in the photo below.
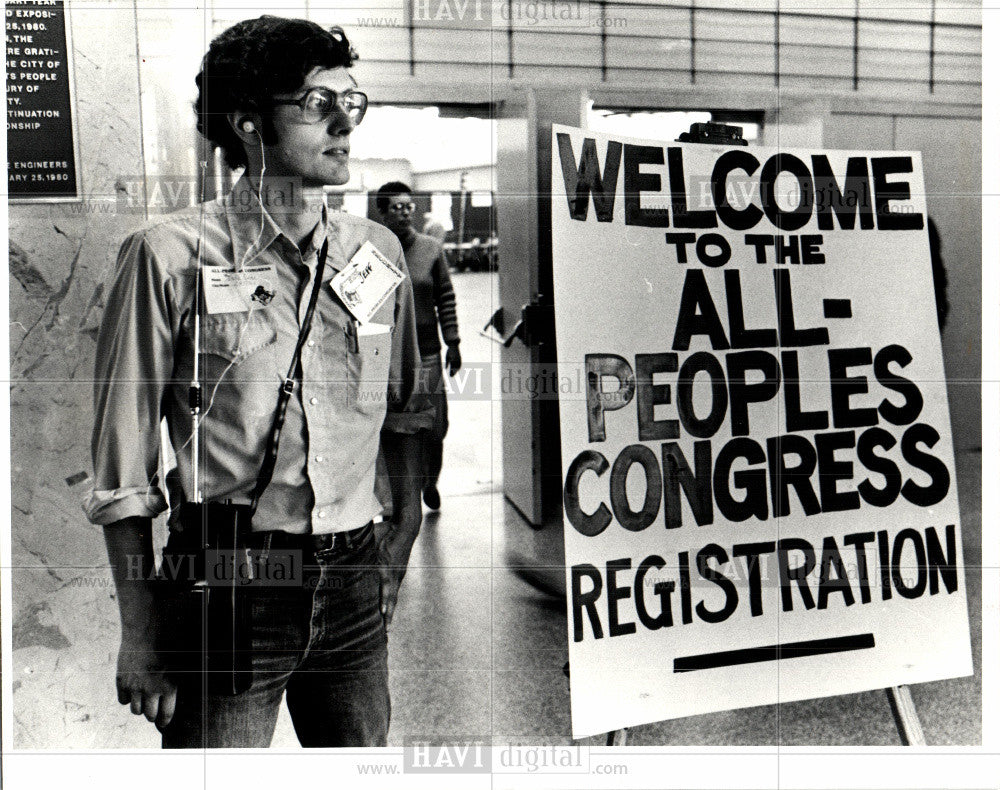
(758, 479)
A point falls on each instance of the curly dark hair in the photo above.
(387, 191)
(254, 60)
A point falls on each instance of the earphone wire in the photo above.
(250, 305)
(194, 390)
(260, 191)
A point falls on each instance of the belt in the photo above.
(309, 543)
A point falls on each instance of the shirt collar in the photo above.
(319, 234)
(253, 230)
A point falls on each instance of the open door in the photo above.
(529, 408)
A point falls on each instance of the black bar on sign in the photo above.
(837, 308)
(754, 655)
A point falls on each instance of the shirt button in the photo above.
(311, 343)
(320, 459)
(314, 401)
(321, 514)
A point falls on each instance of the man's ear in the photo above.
(246, 126)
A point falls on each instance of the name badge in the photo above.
(366, 282)
(231, 291)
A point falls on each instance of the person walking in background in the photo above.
(434, 301)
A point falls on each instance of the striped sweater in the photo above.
(433, 295)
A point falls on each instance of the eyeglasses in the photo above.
(399, 207)
(318, 104)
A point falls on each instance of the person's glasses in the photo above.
(401, 207)
(318, 104)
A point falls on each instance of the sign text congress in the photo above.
(841, 457)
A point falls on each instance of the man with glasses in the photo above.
(434, 299)
(277, 97)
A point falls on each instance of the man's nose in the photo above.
(340, 123)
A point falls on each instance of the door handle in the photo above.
(497, 335)
(531, 328)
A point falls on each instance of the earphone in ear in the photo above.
(248, 127)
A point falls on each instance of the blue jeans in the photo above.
(322, 643)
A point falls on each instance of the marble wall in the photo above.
(65, 625)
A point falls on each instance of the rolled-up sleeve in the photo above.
(133, 367)
(409, 407)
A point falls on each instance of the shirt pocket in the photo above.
(368, 366)
(239, 340)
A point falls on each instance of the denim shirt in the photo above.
(354, 383)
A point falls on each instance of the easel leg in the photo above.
(905, 714)
(618, 737)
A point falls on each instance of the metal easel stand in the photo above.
(904, 712)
